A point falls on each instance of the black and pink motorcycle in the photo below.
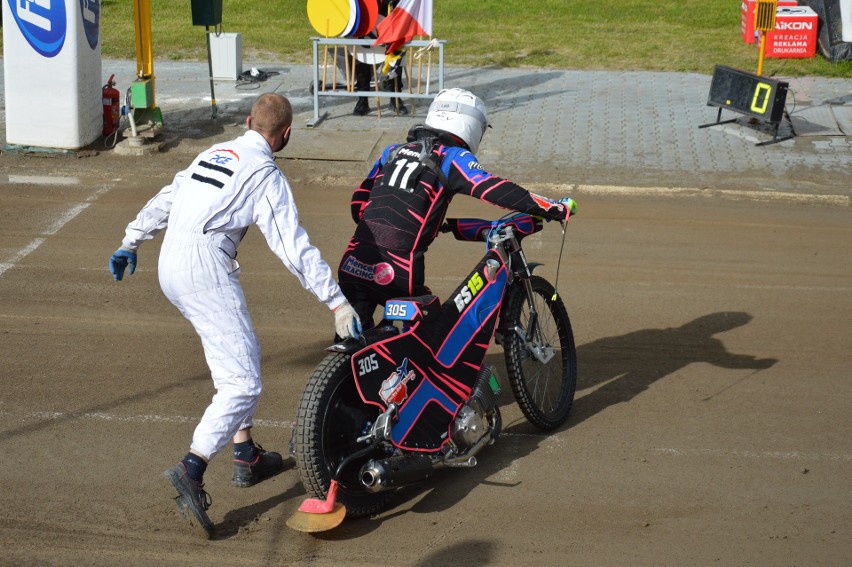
(412, 395)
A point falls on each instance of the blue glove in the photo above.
(570, 206)
(119, 261)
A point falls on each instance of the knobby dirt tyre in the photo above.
(330, 417)
(544, 392)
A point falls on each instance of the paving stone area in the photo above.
(591, 127)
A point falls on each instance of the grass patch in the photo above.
(619, 35)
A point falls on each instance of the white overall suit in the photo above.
(207, 209)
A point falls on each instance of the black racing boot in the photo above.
(399, 107)
(362, 107)
(191, 496)
(267, 464)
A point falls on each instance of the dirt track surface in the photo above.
(711, 425)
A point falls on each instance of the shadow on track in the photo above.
(623, 367)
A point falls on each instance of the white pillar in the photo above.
(52, 71)
(846, 20)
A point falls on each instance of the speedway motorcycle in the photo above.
(412, 395)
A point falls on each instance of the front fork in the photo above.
(531, 336)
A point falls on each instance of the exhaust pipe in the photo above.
(394, 472)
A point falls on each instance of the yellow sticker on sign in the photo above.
(330, 18)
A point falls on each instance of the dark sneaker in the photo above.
(362, 107)
(267, 464)
(192, 497)
(399, 108)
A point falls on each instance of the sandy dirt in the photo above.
(711, 425)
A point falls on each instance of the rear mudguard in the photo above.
(368, 337)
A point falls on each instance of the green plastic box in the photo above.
(142, 93)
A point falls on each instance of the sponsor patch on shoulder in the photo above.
(219, 158)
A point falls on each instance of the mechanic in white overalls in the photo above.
(208, 208)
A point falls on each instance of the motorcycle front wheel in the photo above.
(330, 417)
(540, 356)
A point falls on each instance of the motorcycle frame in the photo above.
(445, 371)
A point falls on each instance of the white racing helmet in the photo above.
(461, 113)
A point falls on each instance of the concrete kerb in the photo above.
(761, 196)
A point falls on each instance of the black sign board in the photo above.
(747, 93)
(753, 95)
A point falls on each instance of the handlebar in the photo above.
(477, 230)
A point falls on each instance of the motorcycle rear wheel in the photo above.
(544, 391)
(330, 417)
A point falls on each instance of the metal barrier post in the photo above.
(320, 92)
(316, 120)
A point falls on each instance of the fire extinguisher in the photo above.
(112, 110)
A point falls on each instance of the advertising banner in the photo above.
(52, 72)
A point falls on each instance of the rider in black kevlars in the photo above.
(401, 205)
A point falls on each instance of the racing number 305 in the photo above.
(367, 364)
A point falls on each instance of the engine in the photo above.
(477, 424)
(469, 427)
(479, 415)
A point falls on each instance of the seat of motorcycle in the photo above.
(426, 308)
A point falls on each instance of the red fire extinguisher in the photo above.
(112, 110)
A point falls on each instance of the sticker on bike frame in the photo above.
(394, 387)
(475, 315)
(367, 364)
(396, 310)
(467, 292)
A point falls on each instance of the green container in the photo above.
(142, 93)
(206, 12)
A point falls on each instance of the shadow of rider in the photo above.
(627, 365)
